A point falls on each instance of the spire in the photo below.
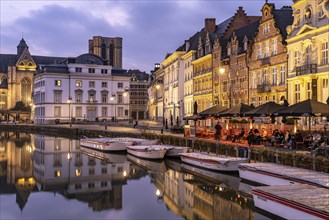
(21, 46)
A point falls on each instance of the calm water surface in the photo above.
(44, 177)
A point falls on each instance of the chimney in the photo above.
(156, 66)
(210, 25)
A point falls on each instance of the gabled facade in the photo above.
(156, 94)
(268, 60)
(308, 40)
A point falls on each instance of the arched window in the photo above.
(26, 90)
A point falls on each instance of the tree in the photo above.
(20, 106)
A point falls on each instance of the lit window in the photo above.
(92, 84)
(57, 173)
(58, 82)
(78, 83)
(77, 172)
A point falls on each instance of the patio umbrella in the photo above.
(305, 108)
(235, 111)
(212, 111)
(264, 110)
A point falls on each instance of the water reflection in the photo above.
(37, 163)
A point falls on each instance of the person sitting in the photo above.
(250, 137)
(239, 136)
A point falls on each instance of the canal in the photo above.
(43, 177)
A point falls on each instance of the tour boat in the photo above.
(277, 174)
(112, 158)
(113, 144)
(213, 162)
(149, 165)
(172, 151)
(300, 201)
(148, 152)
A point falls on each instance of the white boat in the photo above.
(276, 174)
(148, 152)
(156, 166)
(300, 201)
(213, 162)
(113, 144)
(112, 158)
(174, 151)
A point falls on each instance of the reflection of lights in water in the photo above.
(239, 196)
(68, 156)
(158, 192)
(29, 148)
(220, 189)
(124, 173)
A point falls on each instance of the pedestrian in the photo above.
(218, 128)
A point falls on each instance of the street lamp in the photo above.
(115, 111)
(69, 101)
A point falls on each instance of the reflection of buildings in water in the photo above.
(16, 166)
(60, 166)
(194, 198)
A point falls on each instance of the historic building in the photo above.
(234, 78)
(80, 89)
(188, 81)
(268, 60)
(307, 43)
(156, 92)
(173, 81)
(108, 48)
(139, 97)
(16, 75)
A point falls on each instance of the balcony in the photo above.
(263, 88)
(306, 69)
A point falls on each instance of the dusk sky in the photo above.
(150, 29)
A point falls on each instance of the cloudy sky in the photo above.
(149, 28)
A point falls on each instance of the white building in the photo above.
(81, 89)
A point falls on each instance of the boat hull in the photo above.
(230, 166)
(176, 151)
(147, 152)
(157, 166)
(105, 146)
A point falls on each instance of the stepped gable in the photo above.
(283, 18)
(239, 19)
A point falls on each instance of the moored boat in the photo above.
(148, 152)
(277, 174)
(213, 162)
(113, 144)
(300, 201)
(112, 158)
(172, 150)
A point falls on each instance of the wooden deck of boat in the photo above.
(318, 178)
(315, 198)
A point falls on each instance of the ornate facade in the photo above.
(308, 40)
(268, 60)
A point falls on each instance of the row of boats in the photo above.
(290, 192)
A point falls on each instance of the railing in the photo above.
(263, 88)
(306, 69)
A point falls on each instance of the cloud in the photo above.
(149, 29)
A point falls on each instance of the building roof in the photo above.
(283, 18)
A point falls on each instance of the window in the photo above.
(104, 84)
(104, 111)
(320, 11)
(78, 69)
(57, 173)
(308, 54)
(91, 171)
(78, 111)
(266, 28)
(282, 75)
(91, 70)
(104, 71)
(58, 83)
(275, 46)
(104, 97)
(78, 172)
(120, 99)
(91, 97)
(266, 76)
(259, 51)
(253, 81)
(297, 93)
(57, 111)
(296, 58)
(57, 144)
(260, 100)
(78, 83)
(324, 53)
(78, 97)
(104, 170)
(77, 186)
(120, 85)
(91, 185)
(103, 184)
(57, 96)
(260, 78)
(274, 76)
(309, 90)
(325, 83)
(91, 84)
(267, 48)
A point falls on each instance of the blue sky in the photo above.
(150, 28)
